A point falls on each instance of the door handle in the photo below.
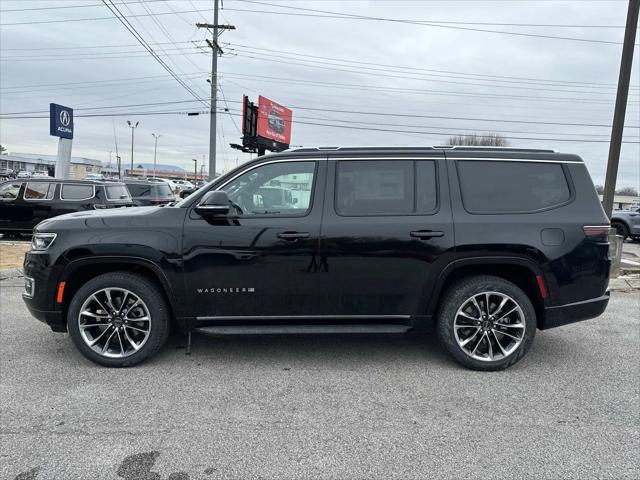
(293, 235)
(426, 234)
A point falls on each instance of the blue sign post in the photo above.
(61, 125)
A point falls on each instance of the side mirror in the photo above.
(214, 203)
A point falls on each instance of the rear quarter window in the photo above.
(512, 187)
(162, 191)
(117, 192)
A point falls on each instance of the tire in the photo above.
(129, 299)
(506, 344)
(621, 229)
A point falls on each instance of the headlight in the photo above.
(42, 241)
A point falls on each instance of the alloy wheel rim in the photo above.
(114, 322)
(489, 326)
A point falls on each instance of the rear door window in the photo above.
(510, 187)
(39, 191)
(76, 192)
(375, 187)
(380, 187)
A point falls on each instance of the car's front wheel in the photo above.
(118, 319)
(486, 322)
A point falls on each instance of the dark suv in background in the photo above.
(145, 193)
(484, 244)
(26, 202)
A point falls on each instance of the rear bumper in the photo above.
(573, 312)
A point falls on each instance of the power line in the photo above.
(349, 127)
(536, 87)
(60, 7)
(427, 24)
(140, 39)
(353, 112)
(513, 79)
(333, 15)
(440, 93)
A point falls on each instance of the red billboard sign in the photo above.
(274, 121)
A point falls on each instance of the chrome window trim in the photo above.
(62, 184)
(414, 160)
(418, 157)
(523, 160)
(24, 194)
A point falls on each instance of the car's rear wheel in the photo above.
(118, 319)
(621, 229)
(486, 322)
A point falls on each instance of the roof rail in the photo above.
(423, 147)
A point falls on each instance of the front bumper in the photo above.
(573, 312)
(54, 318)
(40, 298)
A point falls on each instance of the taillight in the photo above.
(599, 233)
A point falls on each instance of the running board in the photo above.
(300, 329)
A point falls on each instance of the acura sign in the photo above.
(60, 121)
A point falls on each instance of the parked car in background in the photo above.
(24, 174)
(627, 223)
(484, 245)
(175, 188)
(183, 184)
(146, 192)
(94, 176)
(25, 203)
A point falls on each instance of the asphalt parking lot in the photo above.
(321, 407)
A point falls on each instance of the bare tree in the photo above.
(630, 191)
(492, 139)
(2, 150)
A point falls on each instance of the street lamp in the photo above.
(133, 128)
(155, 151)
(195, 170)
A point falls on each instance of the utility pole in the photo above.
(133, 127)
(195, 169)
(621, 106)
(216, 50)
(155, 152)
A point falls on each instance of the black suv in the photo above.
(145, 193)
(485, 245)
(26, 202)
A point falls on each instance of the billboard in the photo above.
(274, 121)
(60, 121)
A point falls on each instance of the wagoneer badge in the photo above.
(217, 290)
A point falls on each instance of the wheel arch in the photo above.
(520, 271)
(79, 271)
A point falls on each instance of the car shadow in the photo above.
(308, 349)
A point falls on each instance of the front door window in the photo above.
(277, 189)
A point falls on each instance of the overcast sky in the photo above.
(319, 64)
